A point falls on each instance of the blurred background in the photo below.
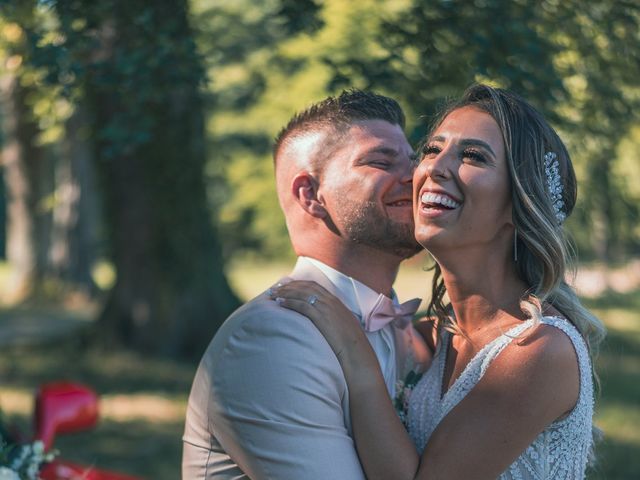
(137, 206)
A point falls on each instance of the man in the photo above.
(269, 400)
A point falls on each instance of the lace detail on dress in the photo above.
(560, 452)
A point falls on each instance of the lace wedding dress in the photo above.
(560, 452)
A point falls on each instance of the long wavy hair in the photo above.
(544, 253)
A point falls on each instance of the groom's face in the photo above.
(367, 187)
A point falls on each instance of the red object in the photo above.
(61, 470)
(64, 408)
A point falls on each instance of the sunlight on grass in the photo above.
(250, 279)
(16, 401)
(140, 406)
(618, 407)
(620, 422)
(145, 407)
(5, 273)
(620, 319)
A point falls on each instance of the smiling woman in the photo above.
(462, 185)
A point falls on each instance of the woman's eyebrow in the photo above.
(475, 141)
(467, 142)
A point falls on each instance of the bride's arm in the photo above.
(379, 433)
(524, 390)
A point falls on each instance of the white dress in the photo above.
(560, 452)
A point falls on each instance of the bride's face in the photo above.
(461, 189)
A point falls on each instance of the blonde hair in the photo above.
(544, 253)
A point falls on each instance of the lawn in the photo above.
(143, 399)
(618, 407)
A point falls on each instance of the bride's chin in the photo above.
(434, 244)
(429, 237)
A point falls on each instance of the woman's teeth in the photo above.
(436, 199)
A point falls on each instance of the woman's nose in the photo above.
(438, 166)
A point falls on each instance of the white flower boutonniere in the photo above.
(403, 393)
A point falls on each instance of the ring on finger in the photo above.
(312, 300)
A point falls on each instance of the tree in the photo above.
(25, 160)
(50, 229)
(140, 78)
(582, 76)
(269, 60)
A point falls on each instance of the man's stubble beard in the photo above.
(365, 224)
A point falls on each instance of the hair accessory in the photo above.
(553, 183)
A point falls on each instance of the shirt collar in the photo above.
(358, 298)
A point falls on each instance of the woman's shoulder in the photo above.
(540, 367)
(547, 343)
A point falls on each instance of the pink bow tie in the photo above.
(384, 312)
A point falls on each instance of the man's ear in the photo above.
(304, 188)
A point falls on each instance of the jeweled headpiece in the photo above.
(552, 172)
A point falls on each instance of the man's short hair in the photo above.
(339, 113)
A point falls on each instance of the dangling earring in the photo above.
(515, 245)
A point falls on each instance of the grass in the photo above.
(144, 399)
(618, 408)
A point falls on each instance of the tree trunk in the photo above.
(75, 242)
(26, 187)
(601, 202)
(171, 293)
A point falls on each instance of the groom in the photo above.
(269, 400)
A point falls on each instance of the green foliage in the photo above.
(155, 58)
(264, 60)
(582, 76)
(26, 32)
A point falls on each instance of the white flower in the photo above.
(38, 448)
(8, 474)
(32, 471)
(18, 462)
(28, 459)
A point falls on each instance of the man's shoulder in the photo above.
(264, 345)
(263, 315)
(261, 327)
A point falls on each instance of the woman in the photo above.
(509, 393)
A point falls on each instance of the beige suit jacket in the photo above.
(269, 400)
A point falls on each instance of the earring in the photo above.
(515, 245)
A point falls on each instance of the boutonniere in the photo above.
(403, 392)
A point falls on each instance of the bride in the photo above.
(509, 393)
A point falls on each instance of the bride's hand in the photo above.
(335, 321)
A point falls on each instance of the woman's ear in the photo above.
(304, 188)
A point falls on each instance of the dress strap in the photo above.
(478, 365)
(491, 350)
(580, 347)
